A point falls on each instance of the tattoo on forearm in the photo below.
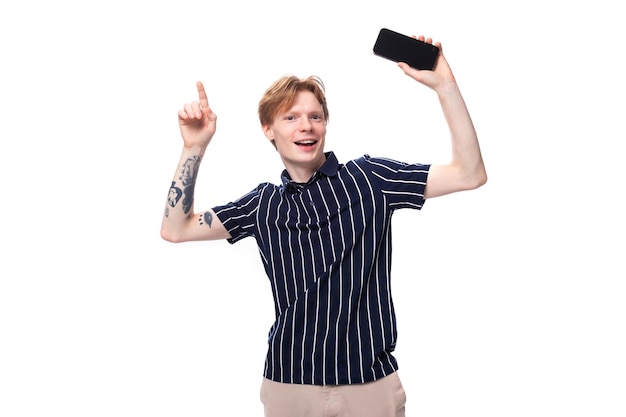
(188, 200)
(174, 195)
(189, 173)
(189, 170)
(207, 218)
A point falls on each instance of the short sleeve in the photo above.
(239, 216)
(403, 184)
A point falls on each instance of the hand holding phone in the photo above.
(401, 48)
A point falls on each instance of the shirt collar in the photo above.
(329, 168)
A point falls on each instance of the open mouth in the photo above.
(306, 143)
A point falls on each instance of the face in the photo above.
(299, 135)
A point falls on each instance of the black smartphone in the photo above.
(401, 48)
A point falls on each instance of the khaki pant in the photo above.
(382, 398)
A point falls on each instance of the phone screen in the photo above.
(401, 48)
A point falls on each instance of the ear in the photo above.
(269, 132)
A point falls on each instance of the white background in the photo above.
(510, 298)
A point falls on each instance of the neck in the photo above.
(302, 173)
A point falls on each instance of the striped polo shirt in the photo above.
(326, 249)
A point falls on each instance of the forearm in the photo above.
(179, 207)
(466, 155)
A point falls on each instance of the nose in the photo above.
(305, 124)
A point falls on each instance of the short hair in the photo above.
(281, 95)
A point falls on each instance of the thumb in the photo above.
(409, 70)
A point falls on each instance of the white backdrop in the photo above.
(510, 298)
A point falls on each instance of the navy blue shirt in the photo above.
(326, 249)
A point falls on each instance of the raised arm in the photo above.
(180, 224)
(466, 170)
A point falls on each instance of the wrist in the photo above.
(447, 88)
(193, 150)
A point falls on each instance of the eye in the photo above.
(290, 118)
(317, 117)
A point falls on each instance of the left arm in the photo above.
(466, 170)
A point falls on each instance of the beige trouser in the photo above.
(382, 398)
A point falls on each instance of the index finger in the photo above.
(204, 101)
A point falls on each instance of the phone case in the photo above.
(397, 47)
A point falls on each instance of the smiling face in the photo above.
(298, 133)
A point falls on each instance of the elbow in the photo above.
(476, 176)
(479, 179)
(469, 176)
(473, 180)
(169, 236)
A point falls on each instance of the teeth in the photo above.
(306, 142)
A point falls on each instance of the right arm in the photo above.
(180, 223)
(466, 169)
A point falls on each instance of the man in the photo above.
(325, 243)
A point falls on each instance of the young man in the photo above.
(324, 240)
